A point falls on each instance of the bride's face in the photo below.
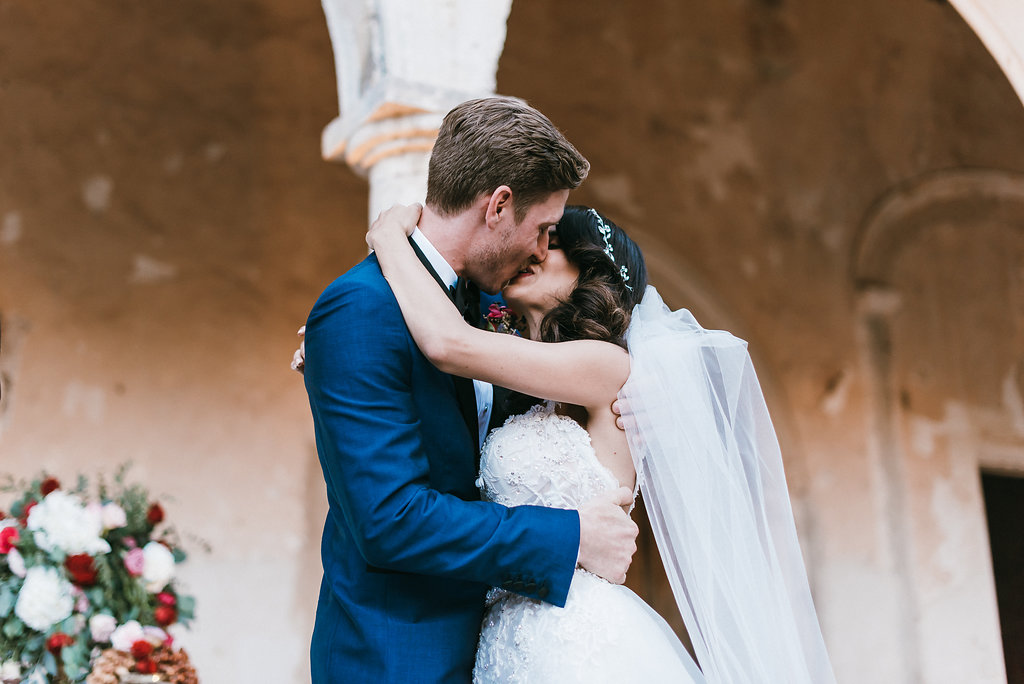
(540, 287)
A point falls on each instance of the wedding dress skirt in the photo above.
(605, 632)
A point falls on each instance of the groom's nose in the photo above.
(540, 252)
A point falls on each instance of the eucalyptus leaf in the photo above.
(186, 606)
(13, 628)
(7, 601)
(50, 663)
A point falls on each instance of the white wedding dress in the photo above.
(605, 632)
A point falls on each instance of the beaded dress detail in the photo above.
(605, 632)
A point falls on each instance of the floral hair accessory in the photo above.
(606, 233)
(502, 319)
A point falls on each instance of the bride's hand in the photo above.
(398, 221)
(299, 357)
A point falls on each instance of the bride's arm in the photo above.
(587, 373)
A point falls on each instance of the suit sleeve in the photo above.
(358, 376)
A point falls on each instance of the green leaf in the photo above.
(76, 661)
(7, 601)
(13, 628)
(50, 663)
(68, 625)
(186, 607)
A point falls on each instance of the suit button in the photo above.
(518, 585)
(507, 584)
(543, 591)
(531, 587)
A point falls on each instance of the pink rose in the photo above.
(81, 600)
(102, 626)
(134, 562)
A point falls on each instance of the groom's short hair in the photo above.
(494, 141)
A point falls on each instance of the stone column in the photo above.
(401, 65)
(1000, 25)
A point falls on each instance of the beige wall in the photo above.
(166, 223)
(755, 141)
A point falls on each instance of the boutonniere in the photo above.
(502, 319)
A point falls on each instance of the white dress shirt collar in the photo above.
(441, 267)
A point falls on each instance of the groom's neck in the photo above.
(450, 235)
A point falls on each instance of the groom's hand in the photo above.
(617, 410)
(607, 535)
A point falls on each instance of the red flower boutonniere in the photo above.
(502, 319)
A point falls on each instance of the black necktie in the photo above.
(467, 300)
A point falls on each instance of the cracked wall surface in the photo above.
(166, 222)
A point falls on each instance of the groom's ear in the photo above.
(499, 207)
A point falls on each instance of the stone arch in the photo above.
(897, 216)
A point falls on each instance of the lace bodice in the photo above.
(541, 458)
(604, 633)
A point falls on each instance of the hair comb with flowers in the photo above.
(606, 233)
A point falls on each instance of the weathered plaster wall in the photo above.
(750, 141)
(166, 222)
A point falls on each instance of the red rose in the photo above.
(50, 484)
(57, 641)
(8, 538)
(165, 615)
(155, 514)
(82, 569)
(145, 666)
(167, 598)
(142, 649)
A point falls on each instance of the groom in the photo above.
(408, 548)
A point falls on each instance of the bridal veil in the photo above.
(709, 466)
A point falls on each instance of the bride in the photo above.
(698, 442)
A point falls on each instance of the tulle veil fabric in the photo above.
(709, 466)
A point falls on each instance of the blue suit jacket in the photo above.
(408, 549)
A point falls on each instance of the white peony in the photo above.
(113, 516)
(61, 522)
(16, 562)
(38, 675)
(10, 670)
(158, 566)
(44, 600)
(101, 626)
(127, 634)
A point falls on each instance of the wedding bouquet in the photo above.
(81, 573)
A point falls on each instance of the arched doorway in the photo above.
(939, 265)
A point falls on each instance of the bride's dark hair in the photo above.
(608, 287)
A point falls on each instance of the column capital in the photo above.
(401, 65)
